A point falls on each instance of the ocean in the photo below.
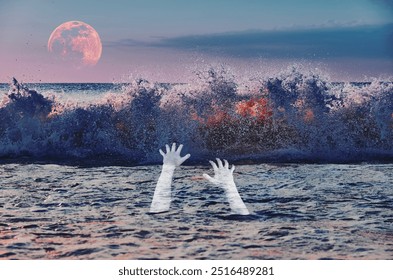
(79, 164)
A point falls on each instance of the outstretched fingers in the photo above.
(226, 165)
(183, 159)
(223, 175)
(173, 148)
(162, 153)
(215, 168)
(219, 162)
(172, 155)
(209, 178)
(178, 151)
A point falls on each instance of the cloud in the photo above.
(313, 43)
(351, 42)
(123, 43)
(388, 3)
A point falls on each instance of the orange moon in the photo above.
(76, 41)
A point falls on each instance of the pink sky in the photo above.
(166, 41)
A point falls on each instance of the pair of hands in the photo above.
(223, 175)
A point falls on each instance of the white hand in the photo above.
(172, 156)
(162, 194)
(223, 177)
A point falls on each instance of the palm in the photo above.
(172, 156)
(223, 175)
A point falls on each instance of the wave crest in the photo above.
(293, 116)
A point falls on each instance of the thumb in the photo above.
(210, 179)
(183, 159)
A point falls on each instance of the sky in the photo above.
(168, 40)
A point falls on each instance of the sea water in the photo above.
(298, 211)
(79, 164)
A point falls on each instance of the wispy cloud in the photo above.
(312, 43)
(388, 3)
(123, 43)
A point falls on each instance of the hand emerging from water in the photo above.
(223, 177)
(172, 156)
(162, 195)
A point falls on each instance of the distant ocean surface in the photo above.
(79, 164)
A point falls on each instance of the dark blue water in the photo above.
(298, 211)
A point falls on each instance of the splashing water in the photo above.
(293, 116)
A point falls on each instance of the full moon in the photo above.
(77, 42)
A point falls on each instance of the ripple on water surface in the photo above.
(298, 212)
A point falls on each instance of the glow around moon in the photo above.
(77, 42)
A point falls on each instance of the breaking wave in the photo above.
(295, 116)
